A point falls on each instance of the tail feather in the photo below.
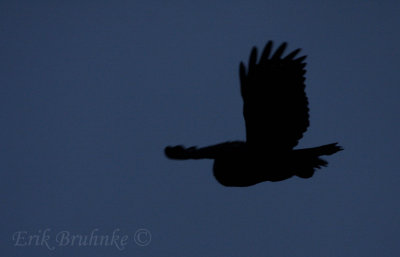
(312, 155)
(328, 149)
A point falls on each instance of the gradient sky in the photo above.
(92, 91)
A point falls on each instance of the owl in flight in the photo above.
(275, 110)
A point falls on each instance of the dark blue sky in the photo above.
(91, 92)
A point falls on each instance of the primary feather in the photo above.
(275, 104)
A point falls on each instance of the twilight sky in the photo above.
(92, 91)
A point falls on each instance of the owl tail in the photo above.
(310, 158)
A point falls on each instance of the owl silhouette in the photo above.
(276, 114)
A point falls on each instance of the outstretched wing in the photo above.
(180, 152)
(275, 104)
